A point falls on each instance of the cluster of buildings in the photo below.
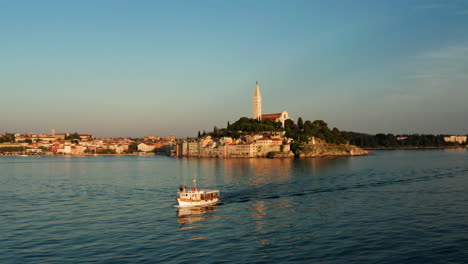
(249, 146)
(84, 144)
(254, 145)
(456, 139)
(163, 145)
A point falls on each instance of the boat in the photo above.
(196, 197)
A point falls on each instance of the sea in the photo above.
(398, 206)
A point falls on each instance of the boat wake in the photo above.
(275, 191)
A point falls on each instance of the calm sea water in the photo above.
(391, 207)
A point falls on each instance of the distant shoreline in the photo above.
(416, 148)
(318, 156)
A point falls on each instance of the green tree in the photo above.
(320, 124)
(300, 123)
(8, 137)
(44, 149)
(133, 147)
(289, 124)
(73, 136)
(296, 148)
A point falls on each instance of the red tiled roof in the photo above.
(268, 115)
(271, 116)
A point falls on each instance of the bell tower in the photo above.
(257, 103)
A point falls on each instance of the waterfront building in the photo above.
(188, 148)
(118, 148)
(458, 139)
(221, 151)
(65, 148)
(246, 150)
(146, 147)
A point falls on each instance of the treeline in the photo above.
(12, 149)
(396, 141)
(73, 136)
(303, 131)
(251, 125)
(7, 138)
(242, 127)
(300, 131)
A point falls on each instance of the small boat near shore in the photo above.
(196, 197)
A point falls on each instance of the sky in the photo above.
(136, 68)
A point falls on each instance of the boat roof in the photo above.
(202, 190)
(211, 191)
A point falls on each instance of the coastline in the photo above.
(417, 148)
(322, 153)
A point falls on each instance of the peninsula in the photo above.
(273, 135)
(269, 135)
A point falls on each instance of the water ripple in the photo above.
(393, 207)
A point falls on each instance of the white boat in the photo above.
(196, 197)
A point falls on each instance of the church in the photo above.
(257, 109)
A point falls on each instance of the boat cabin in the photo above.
(195, 194)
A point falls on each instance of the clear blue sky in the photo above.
(134, 68)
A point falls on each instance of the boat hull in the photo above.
(188, 203)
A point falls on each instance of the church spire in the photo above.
(257, 103)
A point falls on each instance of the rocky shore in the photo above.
(322, 149)
(332, 150)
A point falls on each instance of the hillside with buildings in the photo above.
(75, 144)
(251, 138)
(273, 135)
